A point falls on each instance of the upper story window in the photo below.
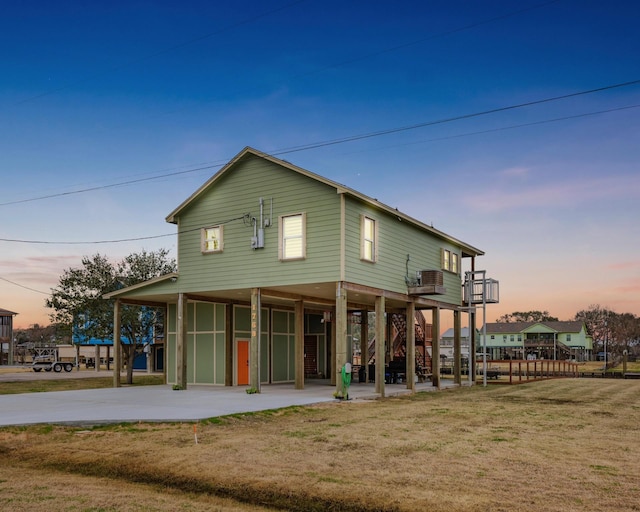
(568, 337)
(450, 261)
(369, 244)
(292, 237)
(211, 239)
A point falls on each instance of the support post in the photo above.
(228, 345)
(181, 342)
(472, 329)
(165, 346)
(380, 344)
(340, 356)
(256, 332)
(411, 346)
(299, 344)
(457, 349)
(364, 343)
(435, 348)
(332, 358)
(116, 345)
(96, 354)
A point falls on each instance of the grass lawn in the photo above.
(69, 384)
(558, 445)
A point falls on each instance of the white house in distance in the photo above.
(537, 340)
(447, 340)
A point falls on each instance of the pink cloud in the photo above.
(554, 193)
(624, 265)
(516, 172)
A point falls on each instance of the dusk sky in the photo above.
(513, 126)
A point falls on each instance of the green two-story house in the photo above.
(538, 340)
(272, 259)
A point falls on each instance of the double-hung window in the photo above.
(211, 239)
(369, 239)
(292, 237)
(446, 259)
(450, 261)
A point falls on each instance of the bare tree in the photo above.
(527, 316)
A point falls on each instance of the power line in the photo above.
(23, 286)
(352, 138)
(510, 127)
(246, 215)
(389, 131)
(113, 185)
(120, 240)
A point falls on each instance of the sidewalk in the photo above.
(162, 403)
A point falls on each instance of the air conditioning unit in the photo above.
(428, 282)
(431, 277)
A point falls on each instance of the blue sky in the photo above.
(98, 95)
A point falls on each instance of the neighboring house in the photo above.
(272, 259)
(6, 336)
(151, 358)
(537, 340)
(447, 343)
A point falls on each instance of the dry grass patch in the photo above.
(71, 384)
(24, 488)
(560, 445)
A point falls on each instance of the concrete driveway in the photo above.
(162, 403)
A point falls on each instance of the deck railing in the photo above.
(516, 371)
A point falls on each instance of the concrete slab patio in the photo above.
(162, 403)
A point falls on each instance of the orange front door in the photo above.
(243, 363)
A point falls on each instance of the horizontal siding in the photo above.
(239, 266)
(396, 240)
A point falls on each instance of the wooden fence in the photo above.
(517, 371)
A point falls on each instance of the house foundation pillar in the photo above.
(254, 344)
(116, 345)
(299, 345)
(181, 342)
(228, 345)
(380, 344)
(364, 345)
(340, 355)
(435, 348)
(457, 349)
(411, 346)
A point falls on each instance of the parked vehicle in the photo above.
(47, 359)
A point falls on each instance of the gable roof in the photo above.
(6, 312)
(450, 333)
(159, 279)
(247, 152)
(516, 327)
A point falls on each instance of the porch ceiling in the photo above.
(322, 295)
